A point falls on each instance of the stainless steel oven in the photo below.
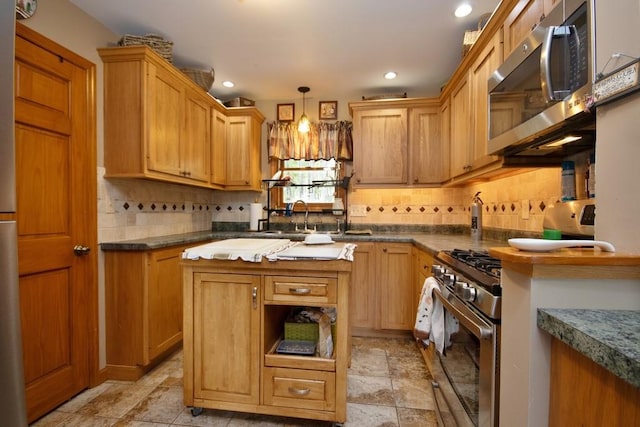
(467, 376)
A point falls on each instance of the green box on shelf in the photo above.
(305, 331)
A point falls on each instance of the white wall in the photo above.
(618, 131)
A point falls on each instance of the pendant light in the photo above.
(303, 124)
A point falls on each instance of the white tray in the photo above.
(544, 245)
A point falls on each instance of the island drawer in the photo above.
(300, 290)
(298, 388)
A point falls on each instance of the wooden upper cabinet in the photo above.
(161, 125)
(429, 152)
(165, 103)
(460, 131)
(196, 144)
(243, 153)
(524, 17)
(156, 119)
(445, 131)
(490, 58)
(380, 146)
(218, 148)
(398, 142)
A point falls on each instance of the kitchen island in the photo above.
(566, 278)
(235, 308)
(594, 358)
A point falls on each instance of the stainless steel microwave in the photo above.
(542, 91)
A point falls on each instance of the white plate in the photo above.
(275, 178)
(544, 245)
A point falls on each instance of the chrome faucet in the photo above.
(306, 213)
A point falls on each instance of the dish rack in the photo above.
(279, 182)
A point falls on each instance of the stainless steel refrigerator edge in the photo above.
(12, 403)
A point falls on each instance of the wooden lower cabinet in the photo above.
(143, 304)
(397, 299)
(584, 393)
(234, 315)
(363, 306)
(422, 263)
(382, 293)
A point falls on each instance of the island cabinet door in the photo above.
(226, 328)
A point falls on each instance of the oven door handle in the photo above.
(481, 331)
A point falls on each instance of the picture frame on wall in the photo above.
(286, 112)
(328, 110)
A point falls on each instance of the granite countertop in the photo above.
(608, 337)
(430, 242)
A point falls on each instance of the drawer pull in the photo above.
(299, 391)
(300, 291)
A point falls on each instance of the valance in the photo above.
(323, 141)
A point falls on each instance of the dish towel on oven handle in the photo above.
(432, 323)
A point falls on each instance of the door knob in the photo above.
(80, 250)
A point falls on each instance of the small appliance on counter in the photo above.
(566, 225)
(574, 219)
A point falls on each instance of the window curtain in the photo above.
(323, 141)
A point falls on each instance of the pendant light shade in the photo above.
(303, 124)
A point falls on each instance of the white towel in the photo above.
(425, 314)
(434, 323)
(451, 326)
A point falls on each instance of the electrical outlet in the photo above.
(357, 210)
(524, 209)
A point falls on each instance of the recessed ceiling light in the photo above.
(228, 83)
(390, 75)
(463, 10)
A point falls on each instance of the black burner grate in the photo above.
(479, 260)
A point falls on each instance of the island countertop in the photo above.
(608, 337)
(577, 256)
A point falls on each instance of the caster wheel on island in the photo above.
(195, 411)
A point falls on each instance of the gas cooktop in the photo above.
(476, 265)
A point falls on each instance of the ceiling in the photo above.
(339, 48)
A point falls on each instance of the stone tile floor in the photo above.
(388, 385)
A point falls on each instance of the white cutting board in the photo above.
(543, 245)
(331, 251)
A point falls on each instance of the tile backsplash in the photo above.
(504, 200)
(132, 209)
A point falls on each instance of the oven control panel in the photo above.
(467, 291)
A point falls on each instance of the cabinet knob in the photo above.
(384, 249)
